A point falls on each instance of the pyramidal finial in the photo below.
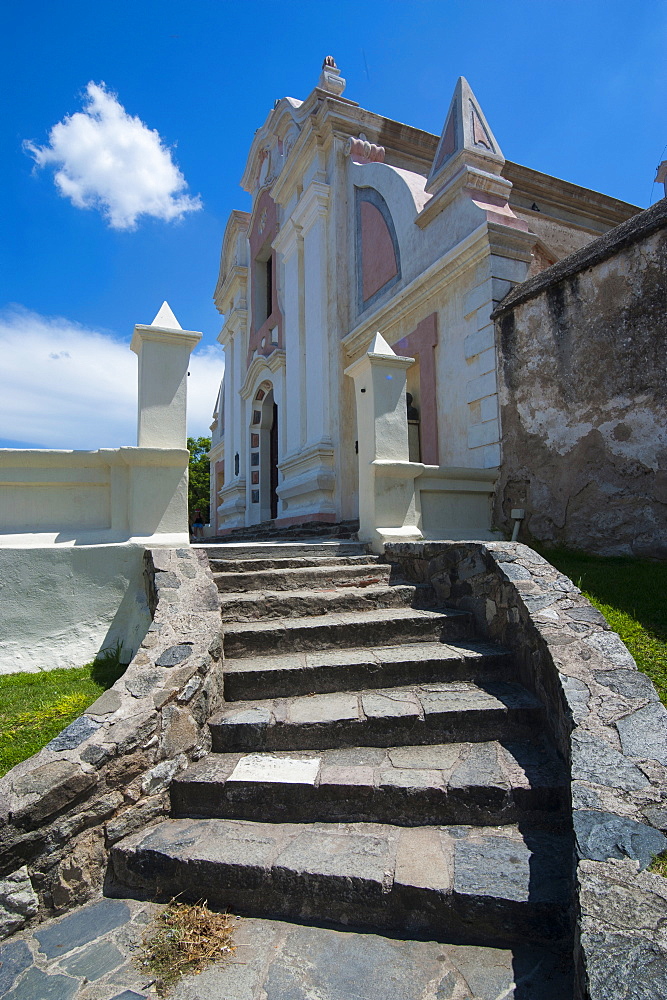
(465, 128)
(330, 78)
(165, 318)
(380, 346)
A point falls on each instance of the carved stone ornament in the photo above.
(361, 151)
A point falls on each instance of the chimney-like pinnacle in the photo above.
(330, 78)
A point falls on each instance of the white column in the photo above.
(311, 214)
(387, 501)
(287, 246)
(164, 351)
(231, 417)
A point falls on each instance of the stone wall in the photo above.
(611, 729)
(583, 395)
(107, 774)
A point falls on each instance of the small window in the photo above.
(262, 291)
(269, 287)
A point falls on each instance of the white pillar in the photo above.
(287, 246)
(311, 216)
(164, 351)
(387, 502)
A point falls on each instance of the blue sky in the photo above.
(575, 88)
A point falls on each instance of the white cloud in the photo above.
(109, 160)
(66, 386)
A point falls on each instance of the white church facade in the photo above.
(363, 226)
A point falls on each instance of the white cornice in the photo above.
(313, 204)
(305, 147)
(285, 242)
(236, 322)
(259, 368)
(160, 335)
(320, 454)
(467, 176)
(236, 279)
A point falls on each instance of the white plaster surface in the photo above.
(61, 604)
(259, 767)
(164, 353)
(93, 497)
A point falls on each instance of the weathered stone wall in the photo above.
(583, 395)
(611, 729)
(107, 774)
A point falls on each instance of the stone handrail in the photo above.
(610, 728)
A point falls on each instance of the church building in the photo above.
(362, 226)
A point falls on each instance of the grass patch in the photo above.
(184, 939)
(630, 593)
(659, 865)
(36, 707)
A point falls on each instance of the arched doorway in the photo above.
(264, 454)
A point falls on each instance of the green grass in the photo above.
(630, 593)
(632, 596)
(36, 707)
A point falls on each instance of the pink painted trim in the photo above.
(378, 259)
(264, 207)
(420, 345)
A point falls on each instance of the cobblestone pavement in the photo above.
(93, 954)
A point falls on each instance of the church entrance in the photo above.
(264, 456)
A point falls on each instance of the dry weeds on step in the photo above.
(183, 940)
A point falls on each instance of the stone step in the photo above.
(219, 565)
(323, 671)
(283, 550)
(430, 713)
(285, 604)
(484, 784)
(354, 628)
(476, 885)
(360, 574)
(267, 530)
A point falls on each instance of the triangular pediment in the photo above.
(465, 128)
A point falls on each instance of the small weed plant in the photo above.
(183, 939)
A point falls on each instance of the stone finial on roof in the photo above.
(661, 175)
(465, 128)
(330, 78)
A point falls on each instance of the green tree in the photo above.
(199, 478)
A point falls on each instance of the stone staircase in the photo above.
(375, 765)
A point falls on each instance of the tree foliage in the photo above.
(199, 478)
